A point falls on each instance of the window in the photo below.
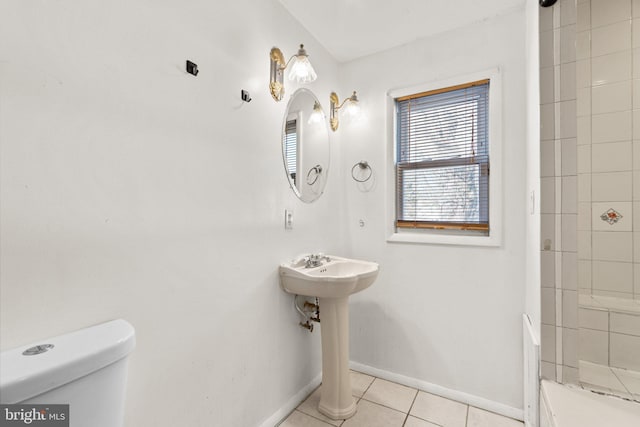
(442, 159)
(291, 148)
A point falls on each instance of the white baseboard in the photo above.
(292, 403)
(470, 399)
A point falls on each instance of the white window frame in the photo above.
(450, 237)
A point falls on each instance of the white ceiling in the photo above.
(349, 29)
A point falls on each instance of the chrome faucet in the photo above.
(315, 260)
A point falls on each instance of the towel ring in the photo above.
(317, 170)
(362, 165)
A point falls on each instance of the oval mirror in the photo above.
(305, 145)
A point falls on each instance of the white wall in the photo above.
(448, 315)
(531, 334)
(532, 297)
(132, 189)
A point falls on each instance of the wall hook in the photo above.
(192, 68)
(244, 95)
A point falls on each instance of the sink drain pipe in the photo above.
(309, 311)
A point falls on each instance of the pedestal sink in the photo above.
(332, 282)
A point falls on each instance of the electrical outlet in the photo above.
(288, 219)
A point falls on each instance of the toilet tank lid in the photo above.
(72, 356)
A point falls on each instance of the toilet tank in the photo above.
(86, 369)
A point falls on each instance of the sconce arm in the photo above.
(342, 104)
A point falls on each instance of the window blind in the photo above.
(442, 159)
(291, 148)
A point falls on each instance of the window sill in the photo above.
(427, 238)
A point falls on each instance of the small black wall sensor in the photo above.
(245, 96)
(192, 68)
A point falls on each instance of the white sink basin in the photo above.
(337, 278)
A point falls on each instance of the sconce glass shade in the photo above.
(301, 70)
(352, 108)
(317, 116)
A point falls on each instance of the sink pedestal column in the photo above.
(336, 401)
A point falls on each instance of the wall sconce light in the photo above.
(301, 70)
(317, 116)
(352, 108)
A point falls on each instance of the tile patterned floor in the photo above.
(604, 379)
(386, 404)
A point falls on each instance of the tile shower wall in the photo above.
(559, 208)
(610, 336)
(608, 109)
